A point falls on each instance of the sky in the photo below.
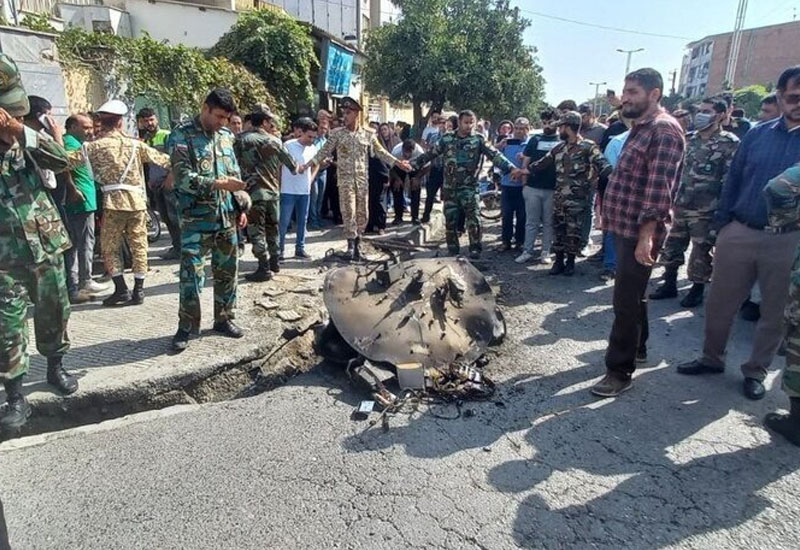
(572, 54)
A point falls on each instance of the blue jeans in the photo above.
(609, 253)
(297, 204)
(512, 204)
(315, 206)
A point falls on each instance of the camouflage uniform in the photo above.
(117, 163)
(782, 194)
(353, 149)
(574, 165)
(260, 156)
(706, 165)
(462, 156)
(208, 219)
(32, 241)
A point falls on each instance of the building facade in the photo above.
(763, 54)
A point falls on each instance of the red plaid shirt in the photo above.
(644, 183)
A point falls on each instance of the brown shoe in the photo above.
(611, 386)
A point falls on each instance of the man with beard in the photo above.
(748, 248)
(539, 189)
(159, 180)
(637, 206)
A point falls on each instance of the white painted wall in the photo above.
(338, 17)
(179, 23)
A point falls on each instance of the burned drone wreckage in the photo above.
(423, 325)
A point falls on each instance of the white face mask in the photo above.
(703, 120)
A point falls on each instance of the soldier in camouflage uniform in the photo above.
(261, 154)
(462, 152)
(578, 164)
(32, 242)
(353, 145)
(709, 152)
(783, 203)
(206, 176)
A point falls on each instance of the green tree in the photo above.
(465, 54)
(277, 48)
(175, 75)
(749, 98)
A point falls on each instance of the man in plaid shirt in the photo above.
(637, 210)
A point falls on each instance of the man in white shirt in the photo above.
(296, 188)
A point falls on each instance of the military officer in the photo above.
(117, 162)
(353, 143)
(206, 176)
(462, 152)
(260, 154)
(783, 203)
(578, 163)
(709, 152)
(32, 241)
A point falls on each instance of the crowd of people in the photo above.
(654, 182)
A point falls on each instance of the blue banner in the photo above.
(338, 70)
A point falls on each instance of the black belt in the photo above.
(769, 228)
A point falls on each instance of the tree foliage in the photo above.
(749, 98)
(465, 54)
(37, 22)
(176, 75)
(277, 48)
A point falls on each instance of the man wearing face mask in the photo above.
(573, 158)
(709, 152)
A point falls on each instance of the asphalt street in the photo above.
(674, 463)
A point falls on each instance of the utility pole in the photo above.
(630, 53)
(736, 42)
(596, 91)
(674, 74)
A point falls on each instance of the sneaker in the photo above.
(545, 260)
(611, 386)
(524, 258)
(181, 340)
(93, 287)
(607, 275)
(80, 297)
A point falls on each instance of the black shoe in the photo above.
(65, 382)
(695, 296)
(137, 298)
(171, 254)
(788, 425)
(750, 311)
(597, 256)
(607, 275)
(259, 275)
(16, 411)
(558, 265)
(569, 267)
(121, 294)
(696, 367)
(507, 246)
(274, 264)
(753, 389)
(474, 254)
(425, 219)
(415, 222)
(349, 255)
(668, 289)
(302, 254)
(181, 340)
(397, 221)
(641, 356)
(227, 328)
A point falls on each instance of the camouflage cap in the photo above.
(350, 103)
(12, 95)
(570, 118)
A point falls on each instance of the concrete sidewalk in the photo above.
(123, 356)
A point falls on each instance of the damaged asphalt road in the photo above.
(674, 463)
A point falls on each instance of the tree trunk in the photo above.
(419, 120)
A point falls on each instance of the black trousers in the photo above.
(414, 197)
(377, 212)
(330, 201)
(630, 330)
(435, 181)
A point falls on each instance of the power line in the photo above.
(604, 27)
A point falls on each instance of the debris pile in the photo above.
(422, 324)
